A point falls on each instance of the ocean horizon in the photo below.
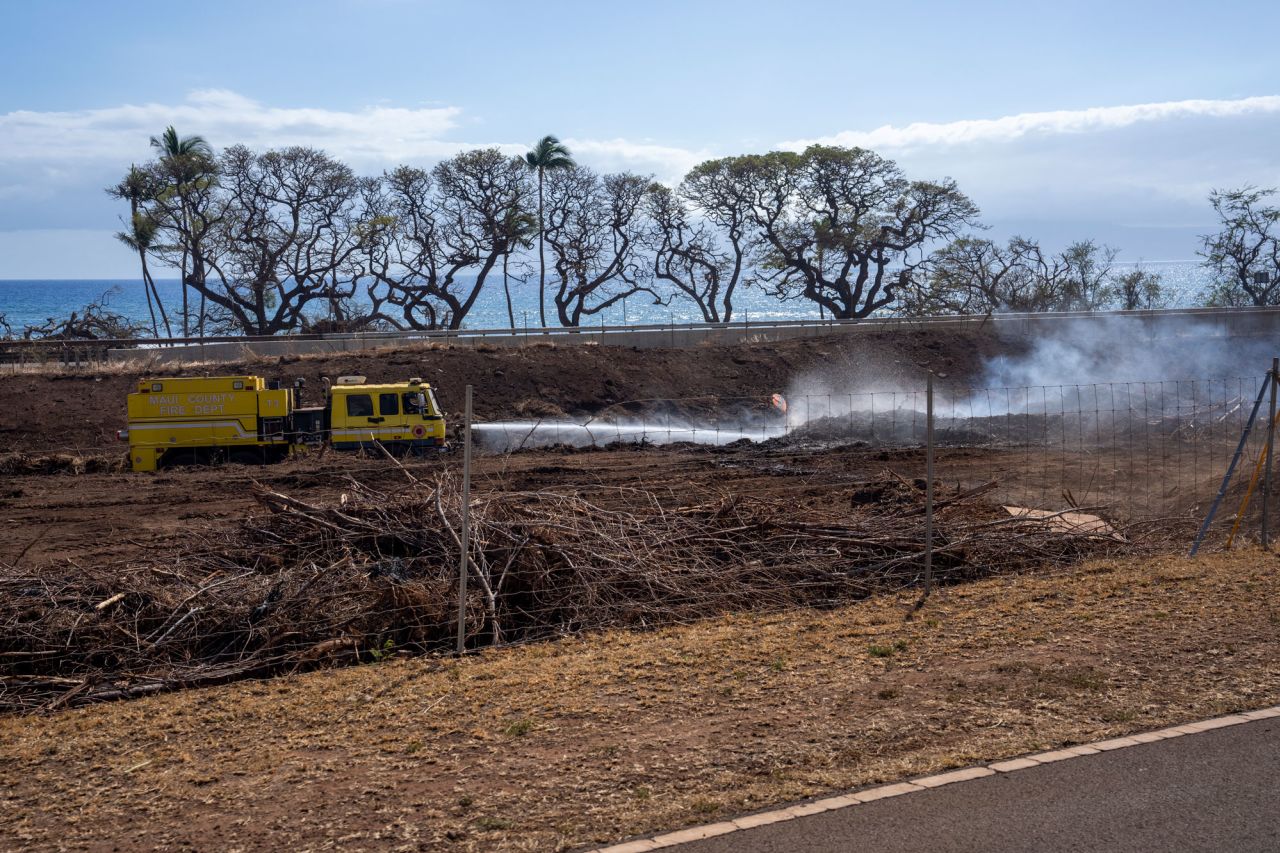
(25, 302)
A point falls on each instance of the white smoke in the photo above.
(1097, 369)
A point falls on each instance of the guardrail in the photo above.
(1226, 322)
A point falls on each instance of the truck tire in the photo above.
(248, 456)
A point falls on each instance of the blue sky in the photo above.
(1108, 120)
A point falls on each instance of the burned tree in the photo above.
(1136, 290)
(596, 229)
(974, 276)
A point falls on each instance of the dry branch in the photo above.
(305, 585)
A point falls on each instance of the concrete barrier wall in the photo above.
(1148, 325)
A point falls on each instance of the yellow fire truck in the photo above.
(246, 419)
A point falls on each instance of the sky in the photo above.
(1062, 120)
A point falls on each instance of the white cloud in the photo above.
(53, 165)
(223, 118)
(1148, 164)
(370, 138)
(1015, 127)
(667, 163)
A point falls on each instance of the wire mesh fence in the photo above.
(1134, 450)
(301, 584)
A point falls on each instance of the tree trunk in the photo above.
(151, 309)
(154, 294)
(542, 261)
(186, 311)
(186, 315)
(142, 259)
(511, 314)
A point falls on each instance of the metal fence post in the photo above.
(1231, 468)
(1271, 437)
(928, 485)
(466, 526)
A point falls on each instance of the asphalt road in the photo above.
(1214, 791)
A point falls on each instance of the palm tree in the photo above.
(548, 154)
(136, 187)
(170, 146)
(188, 157)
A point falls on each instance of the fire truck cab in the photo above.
(402, 417)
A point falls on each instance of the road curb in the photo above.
(924, 783)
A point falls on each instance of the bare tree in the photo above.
(1136, 290)
(409, 252)
(1084, 271)
(596, 229)
(1244, 256)
(352, 297)
(688, 254)
(287, 228)
(971, 275)
(716, 191)
(843, 227)
(453, 225)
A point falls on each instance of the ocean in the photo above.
(31, 301)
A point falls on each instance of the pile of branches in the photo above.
(19, 464)
(301, 585)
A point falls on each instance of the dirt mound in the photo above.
(81, 411)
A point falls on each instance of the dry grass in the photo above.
(152, 365)
(598, 738)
